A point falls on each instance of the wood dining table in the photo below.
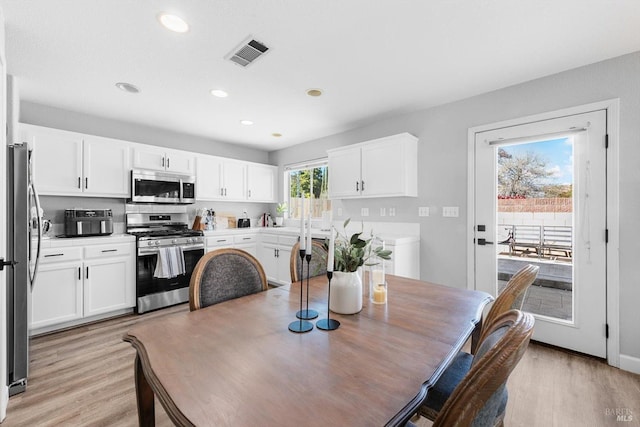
(236, 363)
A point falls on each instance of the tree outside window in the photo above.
(309, 186)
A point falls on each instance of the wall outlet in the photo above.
(364, 211)
(450, 211)
(339, 211)
(383, 212)
(392, 211)
(423, 211)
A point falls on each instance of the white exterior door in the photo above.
(582, 326)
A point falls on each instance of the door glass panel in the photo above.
(535, 221)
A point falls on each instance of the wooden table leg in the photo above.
(144, 397)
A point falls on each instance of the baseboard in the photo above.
(630, 363)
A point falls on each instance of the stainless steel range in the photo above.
(154, 232)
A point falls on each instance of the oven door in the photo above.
(153, 292)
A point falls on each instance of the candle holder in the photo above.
(300, 326)
(328, 324)
(306, 314)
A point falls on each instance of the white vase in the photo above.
(279, 221)
(346, 293)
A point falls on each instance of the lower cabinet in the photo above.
(57, 294)
(275, 256)
(78, 282)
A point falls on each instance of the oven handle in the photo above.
(155, 250)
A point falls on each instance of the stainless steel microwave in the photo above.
(149, 186)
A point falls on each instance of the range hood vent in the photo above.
(247, 52)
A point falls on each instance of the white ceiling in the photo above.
(373, 59)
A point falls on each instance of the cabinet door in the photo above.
(108, 285)
(180, 162)
(107, 163)
(234, 181)
(344, 173)
(57, 294)
(261, 183)
(148, 157)
(57, 160)
(385, 169)
(284, 260)
(269, 261)
(209, 178)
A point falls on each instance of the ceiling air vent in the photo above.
(247, 52)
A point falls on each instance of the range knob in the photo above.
(157, 243)
(174, 241)
(189, 240)
(150, 243)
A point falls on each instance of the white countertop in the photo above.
(389, 238)
(57, 242)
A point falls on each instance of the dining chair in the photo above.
(317, 265)
(511, 297)
(225, 274)
(480, 399)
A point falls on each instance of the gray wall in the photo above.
(37, 114)
(442, 159)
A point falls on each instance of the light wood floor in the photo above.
(84, 377)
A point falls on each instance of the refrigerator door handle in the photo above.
(36, 198)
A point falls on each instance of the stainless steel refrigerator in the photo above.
(24, 235)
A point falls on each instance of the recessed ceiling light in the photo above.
(246, 122)
(219, 93)
(173, 22)
(314, 92)
(276, 135)
(127, 87)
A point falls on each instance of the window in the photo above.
(301, 188)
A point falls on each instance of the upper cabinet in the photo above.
(261, 183)
(69, 163)
(163, 159)
(385, 167)
(234, 180)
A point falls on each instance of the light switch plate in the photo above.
(383, 212)
(392, 211)
(450, 211)
(423, 211)
(339, 211)
(364, 211)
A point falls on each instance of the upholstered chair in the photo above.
(225, 274)
(511, 297)
(317, 265)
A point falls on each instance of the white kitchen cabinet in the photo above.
(57, 292)
(163, 159)
(261, 182)
(108, 273)
(218, 178)
(76, 284)
(385, 167)
(275, 256)
(70, 163)
(246, 241)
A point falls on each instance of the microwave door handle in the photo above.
(181, 193)
(36, 198)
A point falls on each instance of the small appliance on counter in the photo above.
(88, 222)
(244, 223)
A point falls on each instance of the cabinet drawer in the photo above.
(105, 251)
(288, 240)
(219, 241)
(245, 238)
(49, 255)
